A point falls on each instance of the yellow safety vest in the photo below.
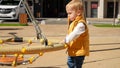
(79, 46)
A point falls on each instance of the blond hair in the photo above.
(75, 5)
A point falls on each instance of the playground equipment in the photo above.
(30, 47)
(39, 45)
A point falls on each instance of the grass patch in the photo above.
(13, 24)
(106, 25)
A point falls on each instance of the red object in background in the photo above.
(94, 6)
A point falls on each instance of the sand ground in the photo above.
(104, 46)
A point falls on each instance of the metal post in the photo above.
(114, 12)
(39, 33)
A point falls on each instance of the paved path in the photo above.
(104, 46)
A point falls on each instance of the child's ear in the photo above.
(79, 12)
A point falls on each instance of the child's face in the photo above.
(72, 14)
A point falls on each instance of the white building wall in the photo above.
(119, 10)
(101, 9)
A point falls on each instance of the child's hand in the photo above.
(65, 44)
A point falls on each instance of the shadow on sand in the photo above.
(11, 28)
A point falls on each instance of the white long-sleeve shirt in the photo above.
(78, 30)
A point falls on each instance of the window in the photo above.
(94, 9)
